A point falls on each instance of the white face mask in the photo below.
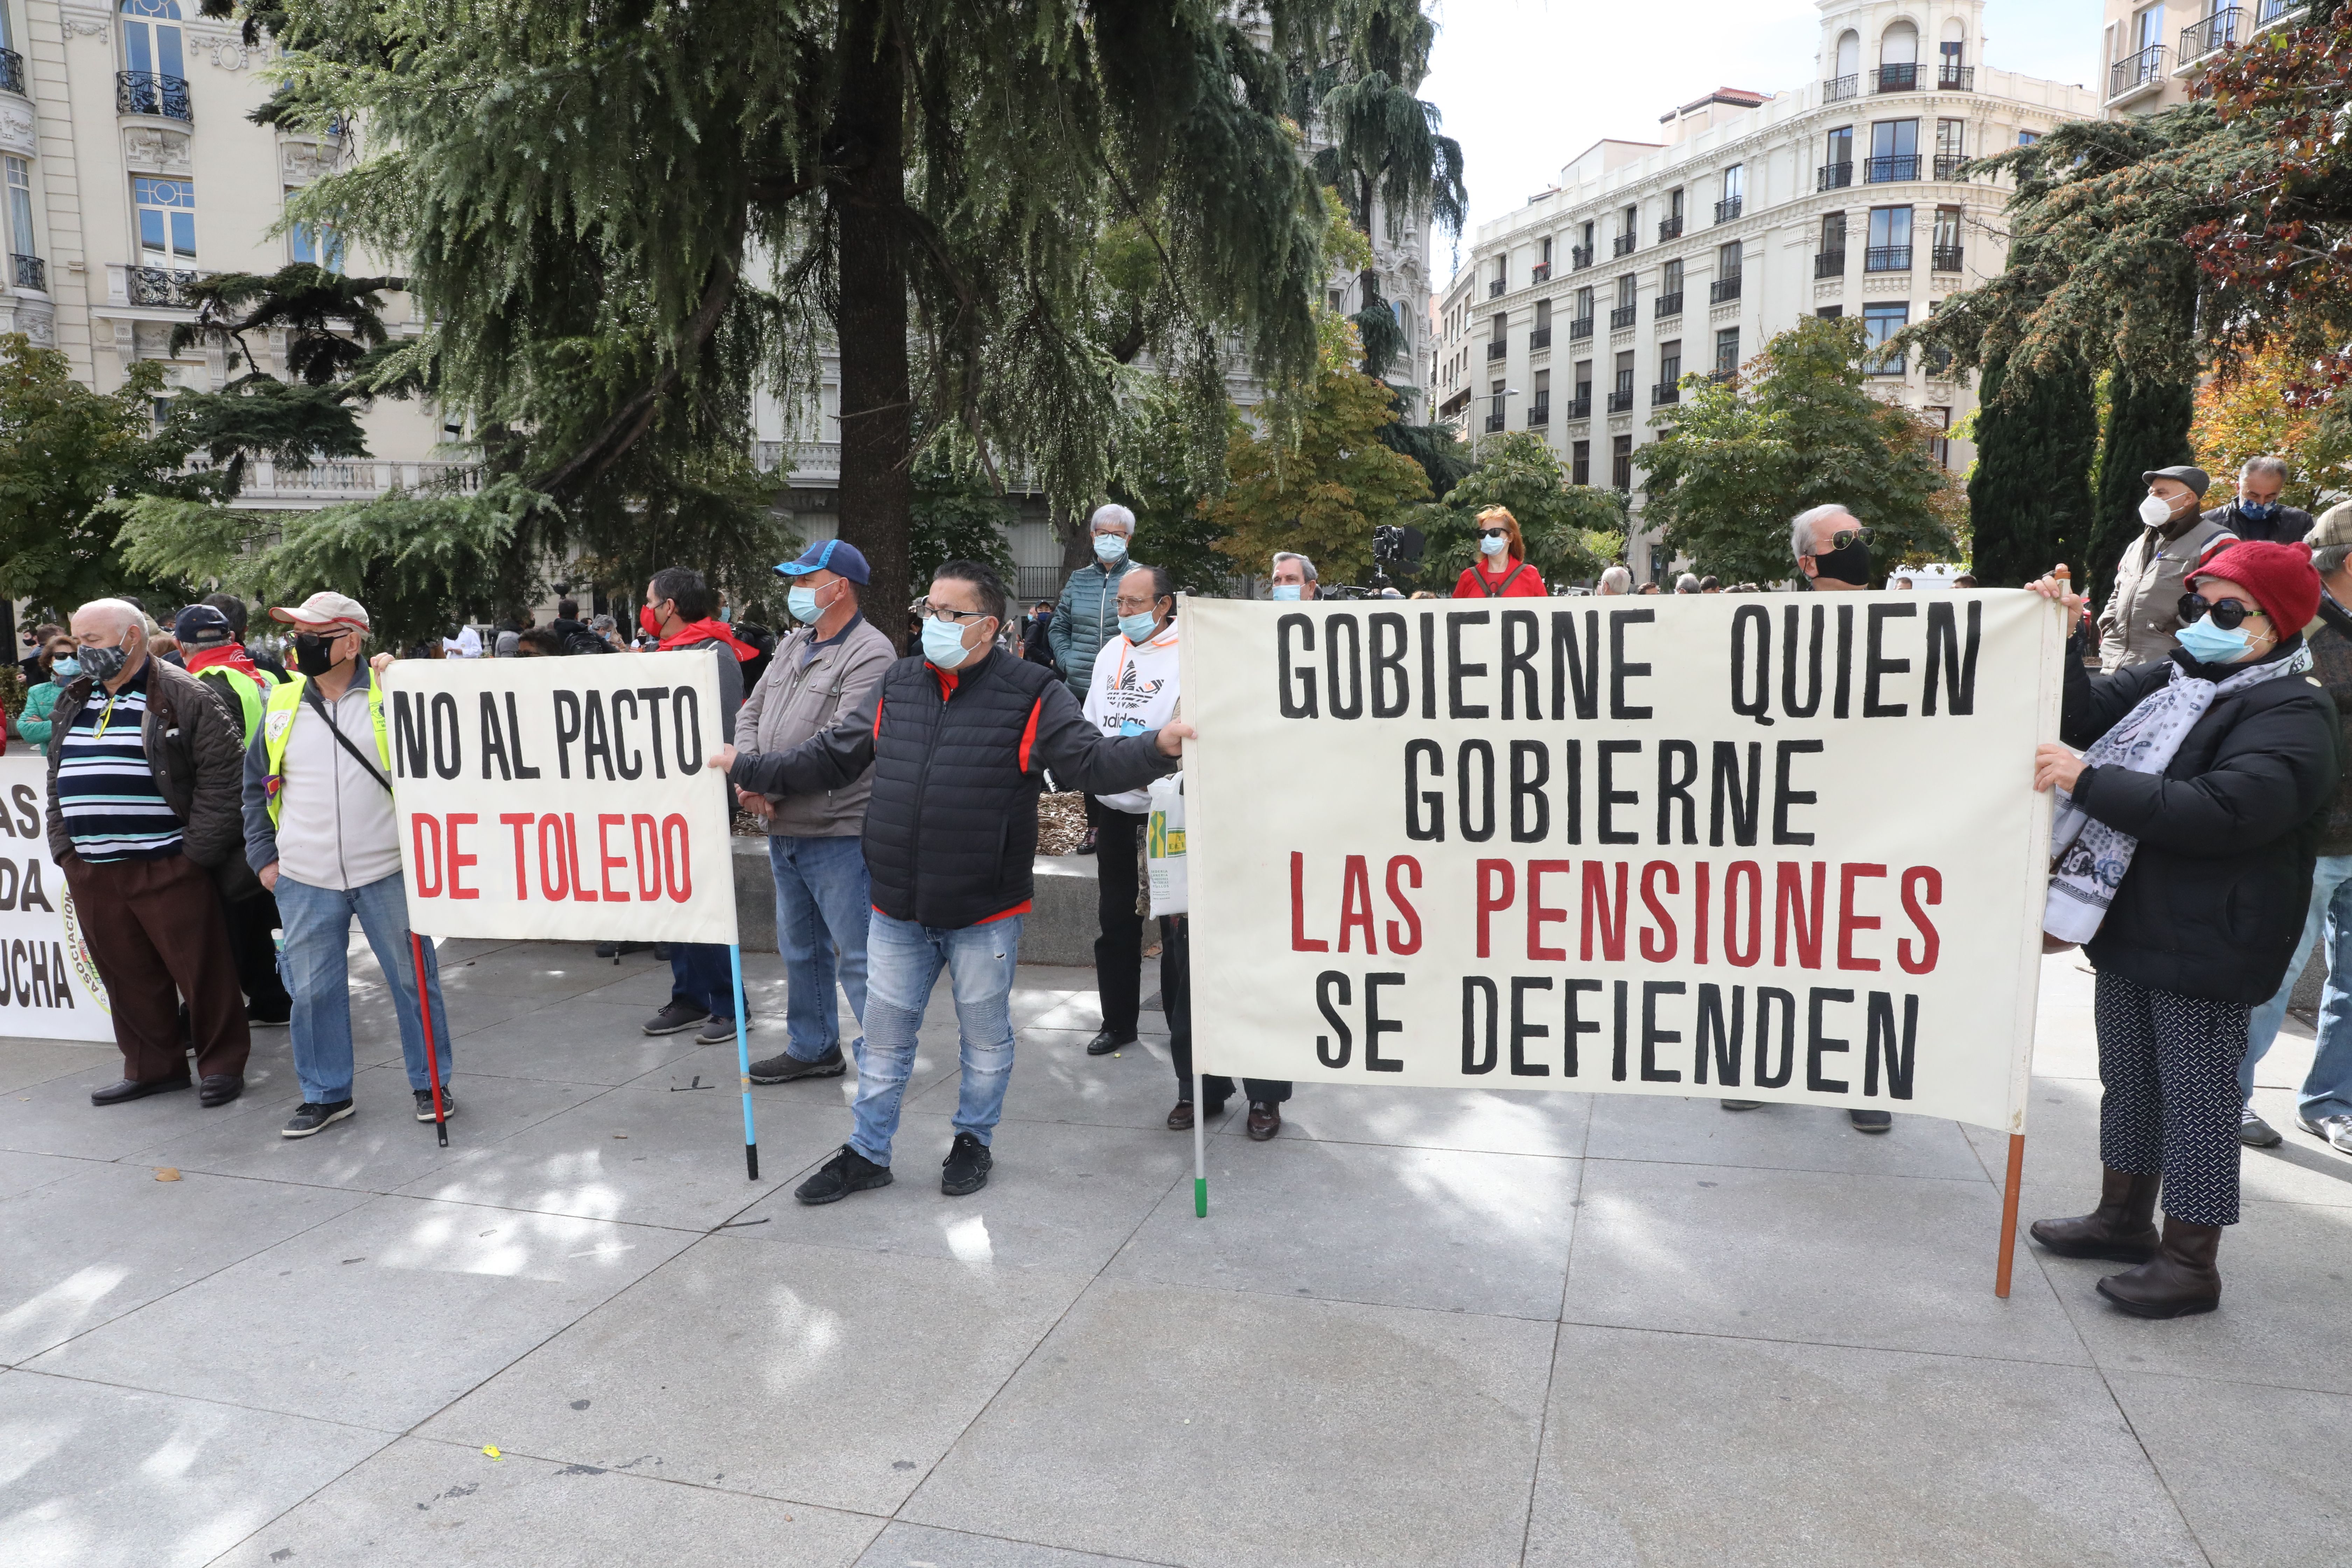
(2156, 512)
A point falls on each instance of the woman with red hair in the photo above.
(1501, 571)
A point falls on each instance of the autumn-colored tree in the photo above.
(2252, 414)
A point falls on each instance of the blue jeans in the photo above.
(823, 899)
(904, 963)
(2327, 1091)
(316, 966)
(701, 974)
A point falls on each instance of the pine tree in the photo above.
(2148, 428)
(2030, 498)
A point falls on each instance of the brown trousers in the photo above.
(159, 932)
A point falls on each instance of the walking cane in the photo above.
(432, 1054)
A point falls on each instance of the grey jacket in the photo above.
(1086, 619)
(792, 704)
(2143, 612)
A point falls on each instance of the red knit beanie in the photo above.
(2280, 576)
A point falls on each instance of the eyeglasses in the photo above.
(1845, 536)
(1493, 533)
(2229, 615)
(925, 610)
(1127, 606)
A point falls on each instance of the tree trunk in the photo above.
(869, 134)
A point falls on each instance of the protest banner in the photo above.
(49, 987)
(1776, 848)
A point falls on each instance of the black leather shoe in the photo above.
(1264, 1120)
(1103, 1044)
(116, 1093)
(220, 1089)
(1871, 1121)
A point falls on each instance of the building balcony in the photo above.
(154, 288)
(1949, 164)
(147, 93)
(1494, 423)
(818, 463)
(1887, 259)
(1957, 78)
(1721, 374)
(1666, 392)
(1828, 264)
(1621, 401)
(1496, 287)
(1623, 316)
(1539, 338)
(1622, 246)
(1578, 408)
(2204, 36)
(2135, 74)
(1944, 258)
(1885, 364)
(1669, 304)
(1670, 228)
(2270, 11)
(1726, 209)
(1837, 89)
(1540, 273)
(1582, 327)
(30, 272)
(12, 71)
(1833, 177)
(1895, 78)
(1538, 415)
(1580, 256)
(1723, 289)
(1497, 348)
(1900, 166)
(274, 485)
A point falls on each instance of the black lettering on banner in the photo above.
(448, 739)
(1375, 1026)
(685, 727)
(1882, 1037)
(1571, 787)
(631, 765)
(1485, 818)
(1521, 1030)
(1728, 790)
(1521, 661)
(30, 821)
(1479, 1049)
(494, 739)
(1352, 663)
(33, 897)
(1617, 1056)
(1609, 797)
(1653, 1037)
(1456, 672)
(1530, 808)
(1572, 1025)
(1817, 1043)
(1429, 664)
(8, 890)
(1783, 797)
(1776, 1078)
(1876, 664)
(1756, 705)
(567, 730)
(514, 740)
(596, 739)
(1416, 799)
(1387, 664)
(408, 734)
(1960, 669)
(1325, 1052)
(1295, 685)
(1619, 671)
(653, 697)
(1838, 705)
(1812, 702)
(1570, 674)
(1726, 1043)
(1674, 785)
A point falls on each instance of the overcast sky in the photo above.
(1525, 85)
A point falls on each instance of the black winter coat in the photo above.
(952, 830)
(2215, 897)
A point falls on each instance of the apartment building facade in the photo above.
(1578, 316)
(2151, 54)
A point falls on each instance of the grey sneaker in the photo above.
(315, 1118)
(784, 1068)
(2336, 1132)
(2254, 1132)
(424, 1104)
(676, 1017)
(715, 1031)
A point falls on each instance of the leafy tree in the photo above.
(1161, 481)
(1796, 430)
(1572, 532)
(958, 516)
(1443, 456)
(2029, 497)
(2256, 412)
(1316, 480)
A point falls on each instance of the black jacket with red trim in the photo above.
(959, 758)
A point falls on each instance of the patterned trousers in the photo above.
(2170, 1064)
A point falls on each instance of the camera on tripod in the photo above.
(1394, 547)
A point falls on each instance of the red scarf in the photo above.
(233, 655)
(710, 629)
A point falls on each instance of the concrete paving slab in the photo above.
(1699, 1131)
(570, 1041)
(818, 1374)
(1677, 1448)
(2061, 1151)
(1500, 1122)
(24, 1063)
(108, 1238)
(1211, 1426)
(97, 1476)
(435, 1505)
(1444, 1229)
(56, 1117)
(919, 1546)
(379, 1319)
(23, 1173)
(2258, 1472)
(1893, 1262)
(1060, 1196)
(1054, 1080)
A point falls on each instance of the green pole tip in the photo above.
(1201, 1196)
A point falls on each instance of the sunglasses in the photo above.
(2229, 615)
(1493, 533)
(1848, 536)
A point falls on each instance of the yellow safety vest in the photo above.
(249, 695)
(278, 727)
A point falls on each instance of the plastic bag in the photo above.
(1163, 847)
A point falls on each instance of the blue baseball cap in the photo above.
(835, 555)
(202, 626)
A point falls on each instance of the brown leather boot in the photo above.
(2180, 1280)
(2122, 1228)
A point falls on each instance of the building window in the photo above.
(2028, 138)
(151, 38)
(1890, 241)
(1670, 276)
(1621, 463)
(1543, 315)
(1579, 463)
(1837, 165)
(321, 247)
(167, 220)
(1735, 182)
(1947, 239)
(1728, 260)
(1894, 150)
(1494, 406)
(1583, 387)
(1879, 322)
(1940, 447)
(1625, 375)
(1952, 142)
(20, 211)
(1833, 234)
(1584, 304)
(1670, 362)
(1830, 312)
(1539, 407)
(1726, 351)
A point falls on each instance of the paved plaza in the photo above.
(1419, 1328)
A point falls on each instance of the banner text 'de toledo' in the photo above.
(49, 984)
(1776, 848)
(562, 797)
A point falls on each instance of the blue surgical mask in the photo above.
(1494, 543)
(1286, 590)
(2253, 512)
(943, 643)
(802, 602)
(1109, 547)
(64, 669)
(2208, 643)
(1137, 629)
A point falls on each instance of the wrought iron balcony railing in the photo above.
(2135, 71)
(1885, 364)
(1540, 273)
(1666, 392)
(160, 286)
(1726, 209)
(1497, 348)
(1837, 89)
(1496, 287)
(2272, 10)
(1494, 423)
(1577, 407)
(1538, 415)
(2210, 33)
(1723, 289)
(1944, 258)
(1834, 176)
(1949, 164)
(1580, 256)
(1619, 401)
(1896, 78)
(1582, 327)
(1887, 259)
(1539, 338)
(12, 71)
(147, 93)
(1623, 316)
(1899, 167)
(1670, 304)
(1828, 264)
(31, 272)
(1622, 246)
(1961, 78)
(1670, 228)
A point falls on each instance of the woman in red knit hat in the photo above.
(2181, 861)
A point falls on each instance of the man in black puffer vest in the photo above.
(959, 738)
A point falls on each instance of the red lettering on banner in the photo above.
(605, 821)
(1848, 922)
(579, 889)
(645, 843)
(459, 860)
(426, 859)
(1299, 941)
(678, 858)
(1789, 896)
(1698, 915)
(1355, 902)
(1743, 957)
(1489, 903)
(1540, 914)
(1596, 903)
(558, 886)
(1933, 880)
(1410, 942)
(519, 821)
(1664, 951)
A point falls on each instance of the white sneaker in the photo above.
(2336, 1132)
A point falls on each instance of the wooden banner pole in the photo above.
(2008, 1214)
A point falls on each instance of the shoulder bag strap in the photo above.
(318, 705)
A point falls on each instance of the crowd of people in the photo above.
(204, 798)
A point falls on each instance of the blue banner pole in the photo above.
(743, 1064)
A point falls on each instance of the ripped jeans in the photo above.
(902, 963)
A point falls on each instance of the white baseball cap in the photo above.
(323, 610)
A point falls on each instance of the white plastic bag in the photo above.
(1163, 846)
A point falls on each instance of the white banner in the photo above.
(1779, 848)
(563, 798)
(49, 987)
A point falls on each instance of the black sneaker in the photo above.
(1871, 1121)
(424, 1104)
(1741, 1104)
(315, 1118)
(676, 1018)
(715, 1031)
(846, 1173)
(787, 1066)
(965, 1169)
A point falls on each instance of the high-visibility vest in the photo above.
(250, 695)
(278, 727)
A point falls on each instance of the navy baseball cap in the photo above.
(202, 626)
(835, 555)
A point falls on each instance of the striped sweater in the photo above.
(107, 792)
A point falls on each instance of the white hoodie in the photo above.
(1133, 691)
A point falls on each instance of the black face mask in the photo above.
(311, 658)
(1851, 564)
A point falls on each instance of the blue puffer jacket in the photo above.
(1086, 618)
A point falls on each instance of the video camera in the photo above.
(1394, 547)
